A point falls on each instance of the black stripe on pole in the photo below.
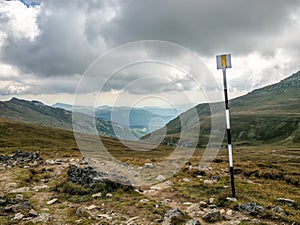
(228, 135)
(226, 97)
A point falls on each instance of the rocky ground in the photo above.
(34, 190)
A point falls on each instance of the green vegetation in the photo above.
(263, 174)
(266, 152)
(267, 115)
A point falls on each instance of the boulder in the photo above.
(251, 208)
(42, 218)
(32, 212)
(162, 186)
(52, 201)
(287, 202)
(89, 176)
(97, 195)
(171, 215)
(212, 217)
(18, 207)
(19, 197)
(18, 216)
(247, 208)
(160, 178)
(279, 210)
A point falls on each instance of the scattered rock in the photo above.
(171, 215)
(91, 207)
(251, 208)
(187, 203)
(26, 156)
(130, 221)
(208, 181)
(40, 187)
(42, 217)
(109, 195)
(213, 206)
(162, 186)
(106, 216)
(58, 161)
(193, 222)
(20, 190)
(222, 211)
(279, 210)
(19, 207)
(260, 208)
(212, 217)
(288, 202)
(229, 213)
(50, 162)
(18, 216)
(166, 201)
(84, 161)
(19, 197)
(231, 199)
(32, 212)
(144, 200)
(52, 201)
(79, 211)
(160, 177)
(97, 195)
(89, 176)
(148, 165)
(211, 200)
(193, 208)
(187, 180)
(19, 158)
(247, 208)
(11, 185)
(203, 204)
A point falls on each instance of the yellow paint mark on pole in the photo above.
(223, 61)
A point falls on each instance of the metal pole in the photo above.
(228, 133)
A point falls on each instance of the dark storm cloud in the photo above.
(74, 33)
(66, 44)
(204, 26)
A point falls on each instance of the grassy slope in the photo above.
(34, 112)
(263, 174)
(267, 115)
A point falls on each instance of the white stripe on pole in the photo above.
(230, 155)
(227, 119)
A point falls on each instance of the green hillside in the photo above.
(34, 112)
(266, 115)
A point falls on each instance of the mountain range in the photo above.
(35, 112)
(140, 121)
(266, 115)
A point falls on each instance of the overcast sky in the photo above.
(46, 46)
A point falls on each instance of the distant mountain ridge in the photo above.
(35, 112)
(269, 114)
(110, 121)
(138, 119)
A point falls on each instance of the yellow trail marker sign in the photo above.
(224, 61)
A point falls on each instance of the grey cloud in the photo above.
(204, 26)
(74, 33)
(64, 46)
